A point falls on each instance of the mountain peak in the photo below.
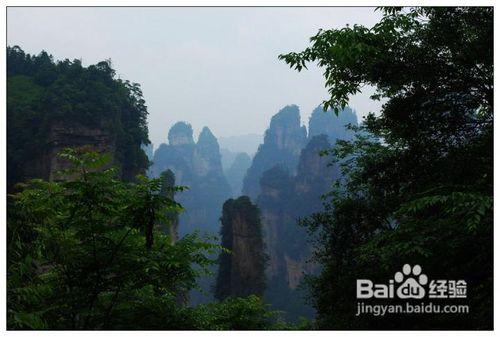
(180, 133)
(206, 136)
(332, 125)
(288, 116)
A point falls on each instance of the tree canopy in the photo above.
(89, 252)
(42, 92)
(418, 182)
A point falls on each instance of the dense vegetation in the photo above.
(423, 193)
(42, 93)
(88, 253)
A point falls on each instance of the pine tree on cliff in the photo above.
(242, 267)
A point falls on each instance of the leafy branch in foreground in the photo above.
(90, 252)
(417, 183)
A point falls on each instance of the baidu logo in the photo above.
(411, 283)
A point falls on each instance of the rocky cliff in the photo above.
(206, 157)
(283, 141)
(197, 166)
(61, 135)
(227, 158)
(236, 172)
(241, 270)
(334, 126)
(276, 187)
(284, 199)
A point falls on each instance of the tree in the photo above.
(43, 93)
(418, 182)
(84, 253)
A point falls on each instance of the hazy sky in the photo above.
(214, 67)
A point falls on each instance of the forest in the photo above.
(106, 233)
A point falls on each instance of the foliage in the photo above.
(43, 93)
(84, 253)
(237, 313)
(418, 182)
